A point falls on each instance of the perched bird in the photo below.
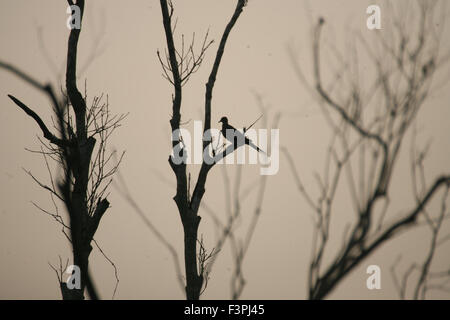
(236, 134)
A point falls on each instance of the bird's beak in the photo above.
(219, 121)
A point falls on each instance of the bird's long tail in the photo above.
(251, 144)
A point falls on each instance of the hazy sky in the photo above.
(126, 36)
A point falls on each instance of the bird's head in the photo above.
(224, 120)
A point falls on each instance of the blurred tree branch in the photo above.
(181, 66)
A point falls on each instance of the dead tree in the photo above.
(369, 125)
(85, 174)
(235, 196)
(427, 279)
(178, 67)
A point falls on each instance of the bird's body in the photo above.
(228, 131)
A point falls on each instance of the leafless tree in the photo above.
(178, 66)
(369, 125)
(79, 148)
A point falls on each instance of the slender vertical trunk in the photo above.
(81, 260)
(194, 281)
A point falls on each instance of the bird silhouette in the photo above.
(236, 134)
